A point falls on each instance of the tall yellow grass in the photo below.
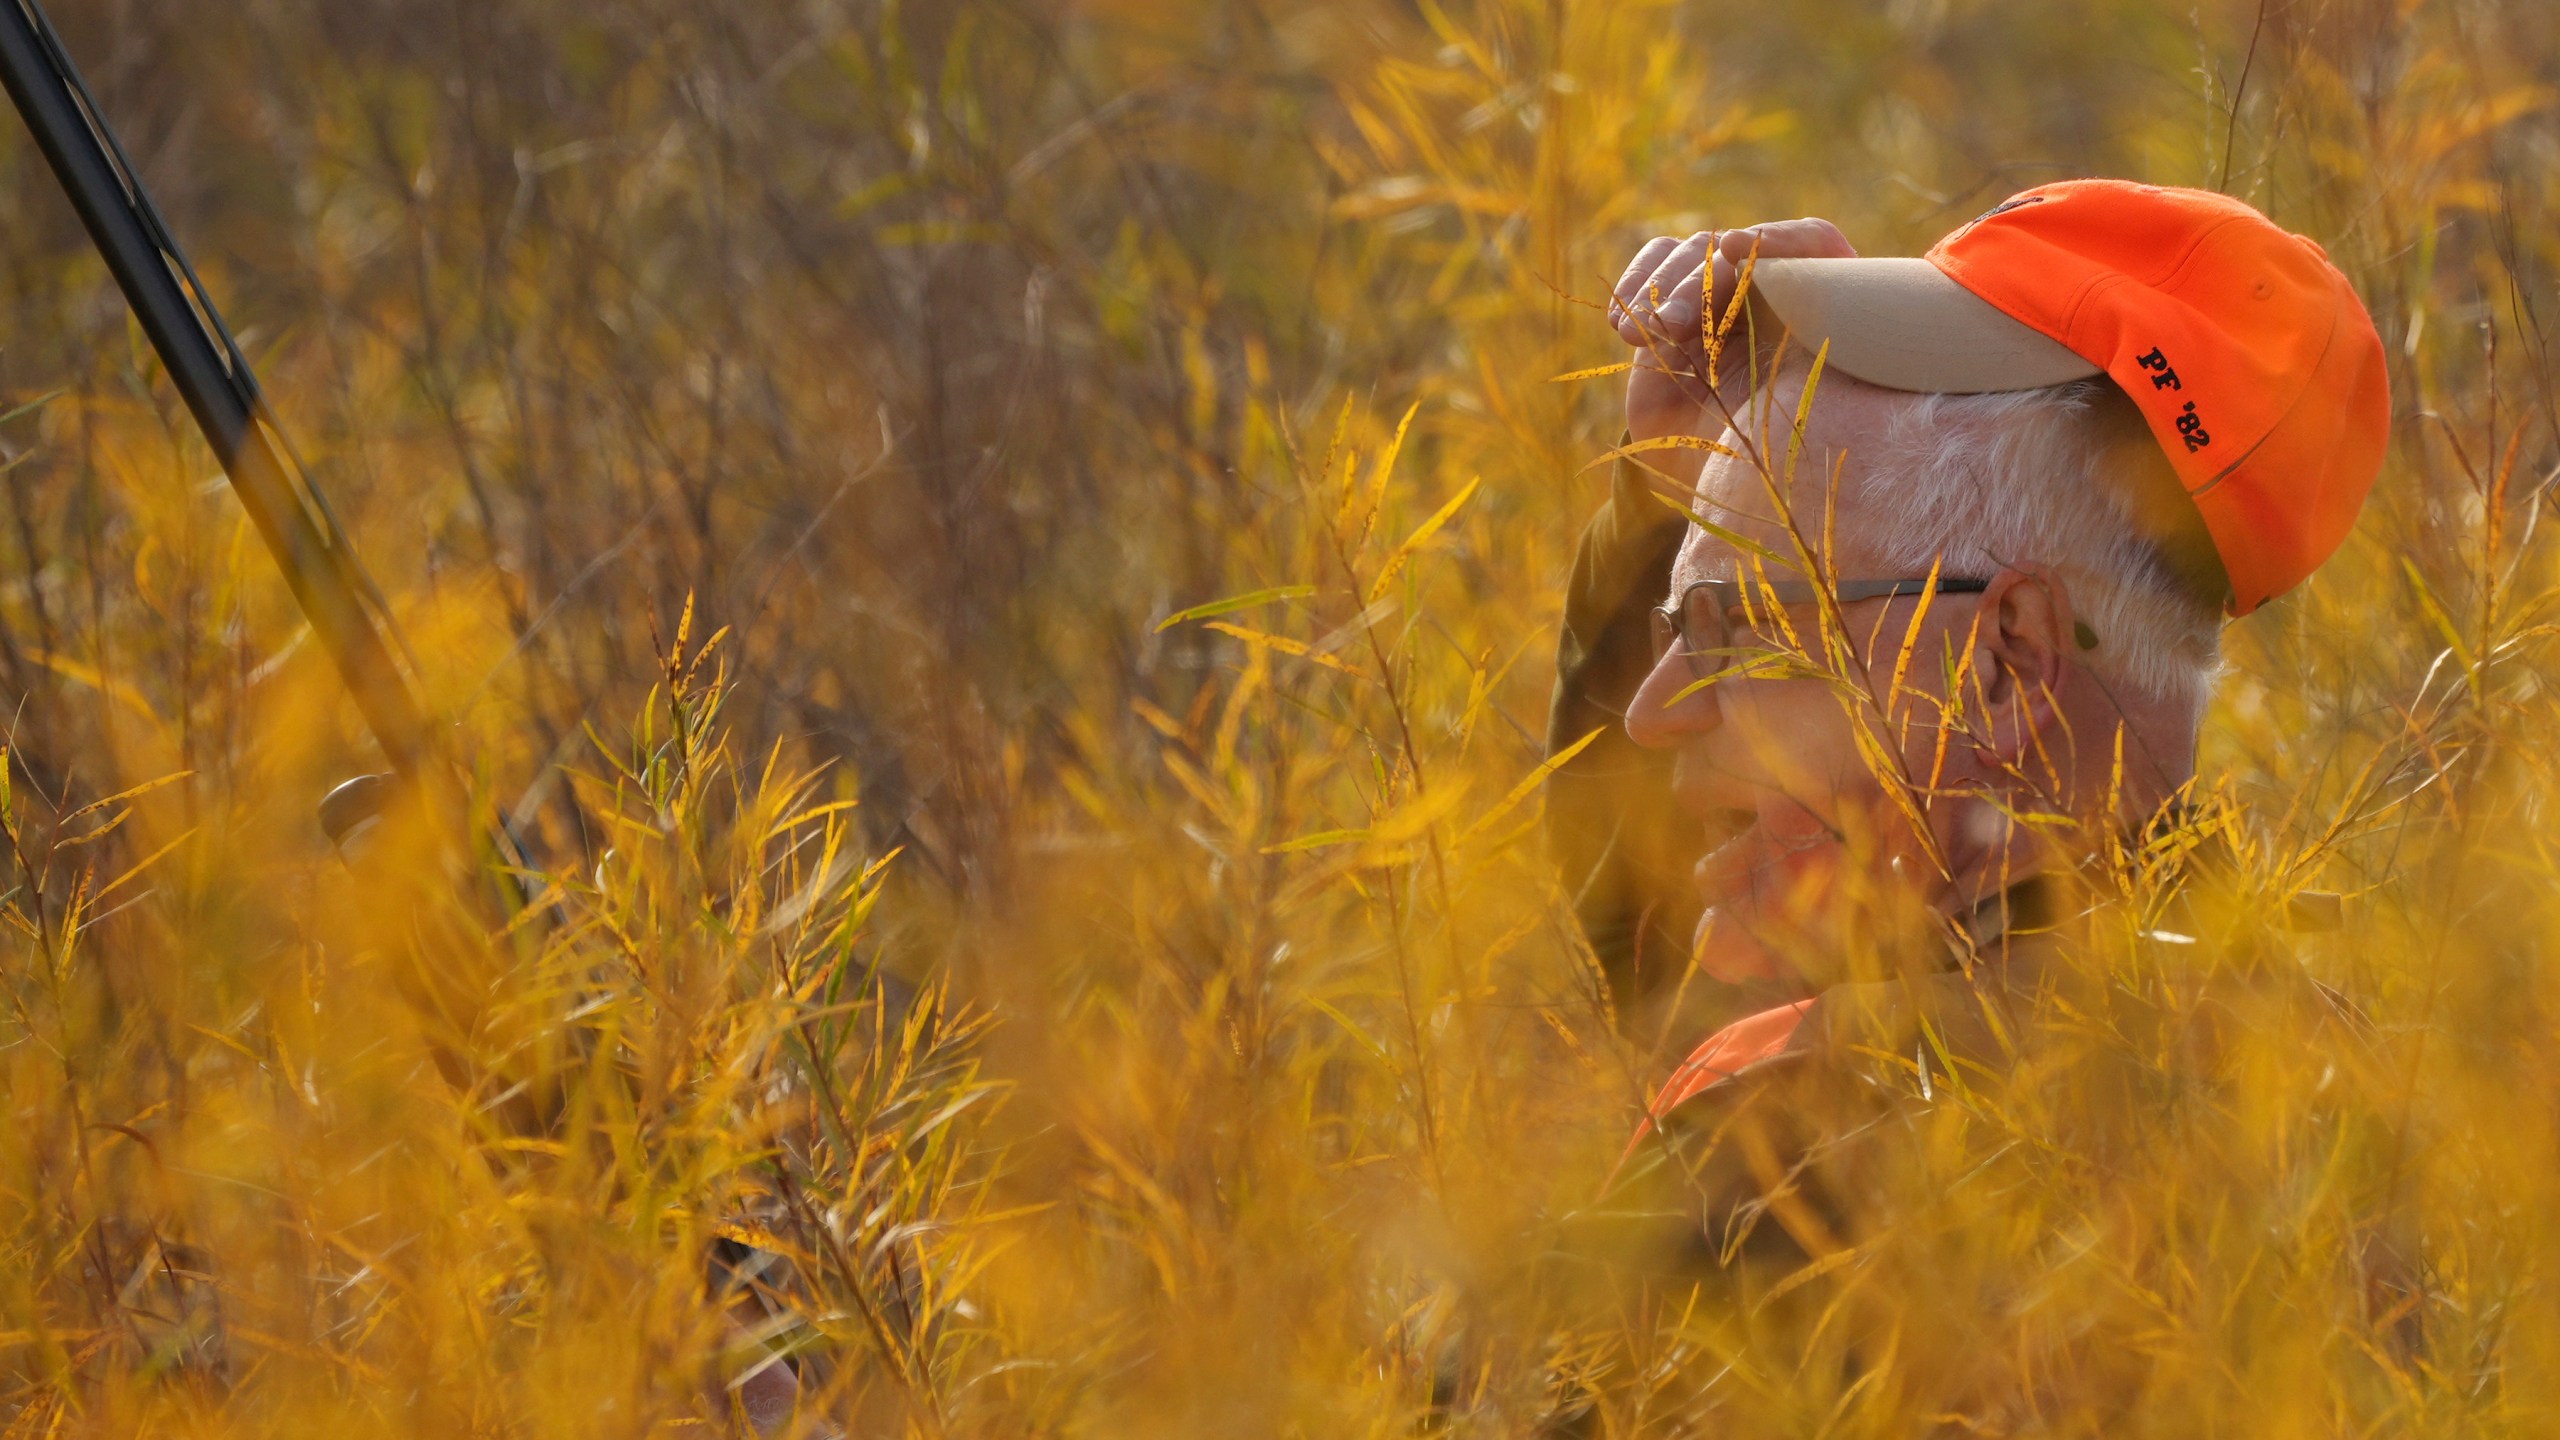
(1004, 559)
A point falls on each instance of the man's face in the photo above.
(1808, 850)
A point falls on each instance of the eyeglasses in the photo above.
(1703, 621)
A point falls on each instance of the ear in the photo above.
(2023, 642)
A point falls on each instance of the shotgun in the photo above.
(340, 600)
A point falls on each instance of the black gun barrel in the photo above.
(211, 375)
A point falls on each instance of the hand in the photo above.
(1661, 307)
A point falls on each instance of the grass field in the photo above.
(806, 447)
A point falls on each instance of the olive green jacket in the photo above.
(1621, 845)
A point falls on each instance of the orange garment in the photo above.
(1745, 1042)
(1729, 1051)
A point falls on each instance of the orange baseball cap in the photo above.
(2246, 351)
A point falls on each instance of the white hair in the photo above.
(1977, 482)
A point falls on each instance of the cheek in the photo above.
(1791, 736)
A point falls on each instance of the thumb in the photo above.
(1811, 238)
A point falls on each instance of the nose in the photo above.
(1661, 716)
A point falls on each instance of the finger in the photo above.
(1671, 341)
(1733, 249)
(1640, 323)
(1811, 238)
(1631, 285)
(1683, 303)
(1667, 278)
(1659, 302)
(1726, 273)
(1746, 351)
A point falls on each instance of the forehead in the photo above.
(1835, 468)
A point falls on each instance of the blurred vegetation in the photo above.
(799, 441)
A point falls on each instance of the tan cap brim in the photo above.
(1902, 324)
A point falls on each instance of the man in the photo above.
(1914, 654)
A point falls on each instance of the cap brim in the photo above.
(1903, 324)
